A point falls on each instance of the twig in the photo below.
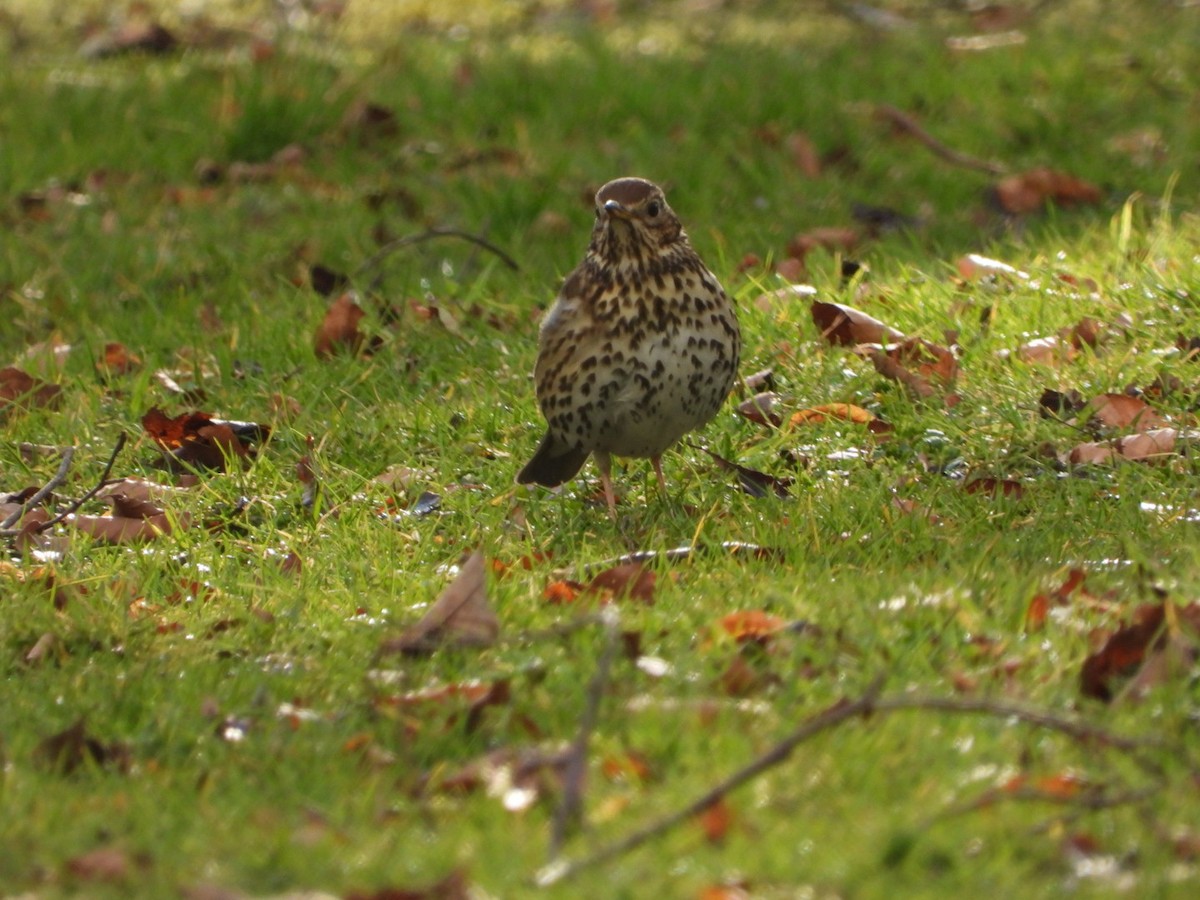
(391, 246)
(868, 702)
(575, 769)
(813, 725)
(59, 477)
(1081, 731)
(906, 123)
(679, 554)
(112, 458)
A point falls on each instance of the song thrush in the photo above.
(640, 347)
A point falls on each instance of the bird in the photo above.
(640, 346)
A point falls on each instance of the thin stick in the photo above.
(428, 235)
(813, 725)
(1081, 731)
(868, 702)
(59, 477)
(112, 458)
(575, 771)
(906, 123)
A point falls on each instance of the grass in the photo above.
(194, 652)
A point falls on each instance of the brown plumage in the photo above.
(640, 347)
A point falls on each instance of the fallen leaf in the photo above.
(1147, 445)
(762, 409)
(751, 625)
(804, 154)
(102, 864)
(715, 820)
(66, 751)
(453, 887)
(338, 331)
(973, 266)
(1122, 653)
(460, 617)
(1124, 411)
(628, 580)
(847, 326)
(20, 390)
(752, 481)
(118, 360)
(838, 240)
(1031, 191)
(845, 412)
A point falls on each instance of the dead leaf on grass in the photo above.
(19, 390)
(1141, 447)
(66, 751)
(460, 617)
(338, 331)
(1124, 411)
(846, 326)
(1031, 191)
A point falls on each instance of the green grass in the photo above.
(502, 130)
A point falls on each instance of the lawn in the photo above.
(978, 528)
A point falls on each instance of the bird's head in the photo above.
(633, 218)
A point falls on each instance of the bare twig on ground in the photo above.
(408, 240)
(813, 725)
(575, 771)
(869, 702)
(75, 504)
(59, 477)
(1075, 728)
(906, 123)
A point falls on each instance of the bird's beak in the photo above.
(615, 209)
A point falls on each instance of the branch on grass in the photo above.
(575, 770)
(58, 478)
(6, 529)
(869, 703)
(907, 124)
(409, 240)
(813, 725)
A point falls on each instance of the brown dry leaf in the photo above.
(1147, 445)
(917, 364)
(804, 154)
(846, 412)
(628, 766)
(837, 240)
(724, 892)
(762, 409)
(752, 481)
(1045, 351)
(124, 530)
(784, 297)
(338, 331)
(1030, 191)
(791, 268)
(138, 489)
(453, 887)
(715, 821)
(118, 360)
(973, 267)
(196, 439)
(995, 487)
(102, 864)
(460, 617)
(66, 751)
(559, 592)
(846, 326)
(18, 389)
(631, 580)
(751, 625)
(1122, 653)
(1124, 411)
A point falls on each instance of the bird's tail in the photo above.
(553, 463)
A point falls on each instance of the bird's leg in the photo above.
(656, 461)
(604, 464)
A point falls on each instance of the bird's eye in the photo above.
(653, 209)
